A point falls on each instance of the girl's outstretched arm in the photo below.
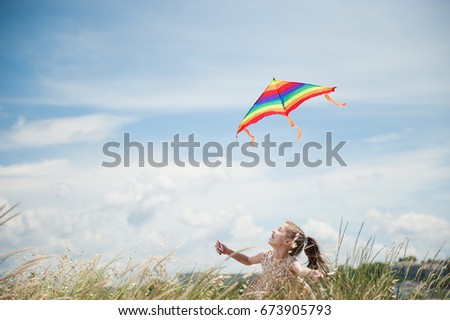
(242, 258)
(305, 272)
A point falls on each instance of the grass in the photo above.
(360, 277)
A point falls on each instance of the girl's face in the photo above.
(279, 237)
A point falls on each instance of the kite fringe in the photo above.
(299, 132)
(334, 102)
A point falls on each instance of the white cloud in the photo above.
(141, 198)
(426, 229)
(43, 168)
(390, 180)
(123, 209)
(56, 131)
(165, 181)
(141, 94)
(244, 229)
(321, 230)
(206, 219)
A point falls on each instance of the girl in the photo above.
(280, 267)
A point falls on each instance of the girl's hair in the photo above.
(309, 245)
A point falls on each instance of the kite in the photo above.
(282, 97)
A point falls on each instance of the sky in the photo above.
(76, 75)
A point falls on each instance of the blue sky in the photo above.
(76, 74)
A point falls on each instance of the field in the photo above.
(361, 277)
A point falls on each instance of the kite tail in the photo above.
(334, 102)
(251, 137)
(299, 133)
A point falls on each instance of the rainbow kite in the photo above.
(282, 97)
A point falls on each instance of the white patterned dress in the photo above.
(276, 277)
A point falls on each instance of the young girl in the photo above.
(280, 267)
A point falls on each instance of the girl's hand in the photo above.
(316, 275)
(221, 248)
